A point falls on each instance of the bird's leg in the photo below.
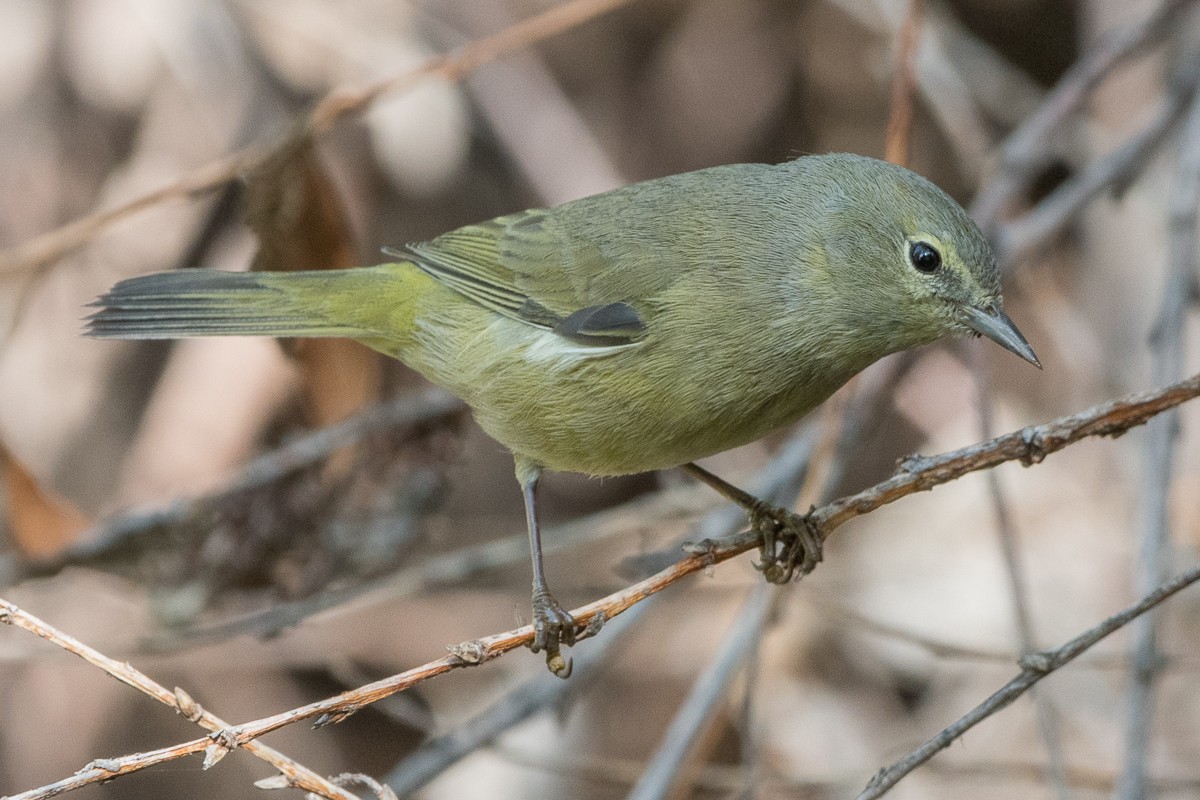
(552, 625)
(790, 544)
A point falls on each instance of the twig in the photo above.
(1158, 450)
(1034, 667)
(709, 688)
(42, 251)
(1028, 445)
(292, 773)
(899, 126)
(1028, 149)
(943, 649)
(948, 98)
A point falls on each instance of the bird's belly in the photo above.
(613, 419)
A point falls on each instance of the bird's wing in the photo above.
(528, 267)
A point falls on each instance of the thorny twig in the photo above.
(1028, 445)
(776, 483)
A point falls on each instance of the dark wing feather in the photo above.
(524, 267)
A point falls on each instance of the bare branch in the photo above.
(292, 774)
(1028, 445)
(899, 125)
(1056, 773)
(660, 774)
(1033, 668)
(409, 411)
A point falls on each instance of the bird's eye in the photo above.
(924, 257)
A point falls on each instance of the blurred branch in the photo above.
(948, 97)
(1034, 667)
(1029, 148)
(1018, 239)
(536, 120)
(696, 712)
(1159, 449)
(43, 251)
(409, 411)
(1028, 445)
(450, 569)
(293, 774)
(899, 126)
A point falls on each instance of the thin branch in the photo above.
(1033, 668)
(1028, 445)
(43, 251)
(899, 126)
(1158, 451)
(660, 774)
(778, 482)
(292, 773)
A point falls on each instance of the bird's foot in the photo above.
(553, 627)
(791, 544)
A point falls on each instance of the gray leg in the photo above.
(553, 626)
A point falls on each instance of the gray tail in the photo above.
(204, 302)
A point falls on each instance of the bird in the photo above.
(639, 329)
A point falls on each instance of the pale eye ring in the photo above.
(924, 257)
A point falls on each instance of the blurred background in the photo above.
(131, 520)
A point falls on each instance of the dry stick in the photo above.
(1056, 770)
(1158, 449)
(293, 774)
(660, 773)
(1034, 667)
(904, 84)
(1028, 149)
(1028, 445)
(42, 251)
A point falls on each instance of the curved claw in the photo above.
(791, 543)
(553, 627)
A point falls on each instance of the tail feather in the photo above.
(201, 302)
